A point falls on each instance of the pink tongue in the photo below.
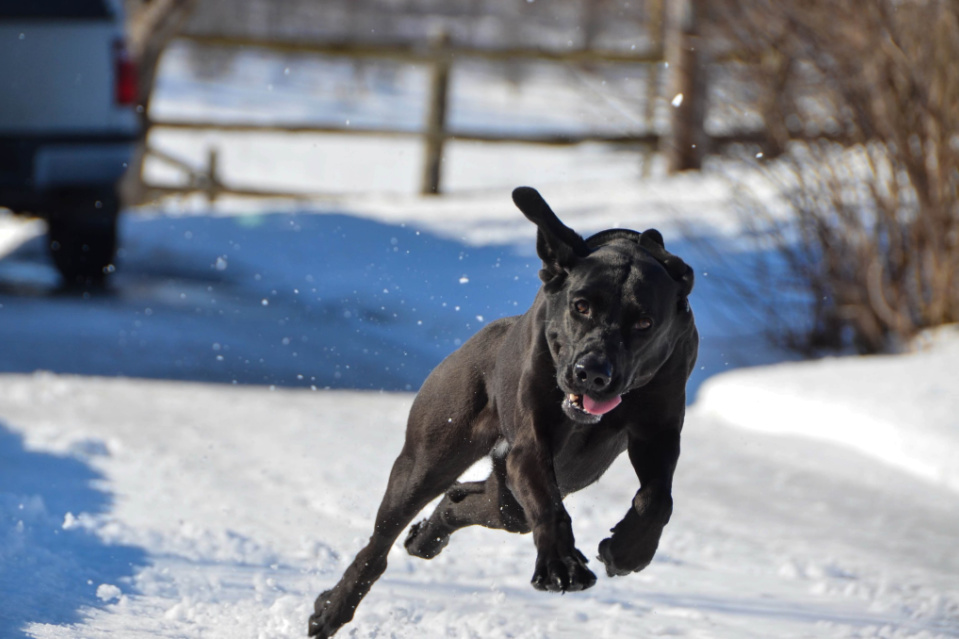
(600, 408)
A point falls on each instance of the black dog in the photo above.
(597, 366)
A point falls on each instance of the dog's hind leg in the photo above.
(451, 425)
(485, 503)
(413, 483)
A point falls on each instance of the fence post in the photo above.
(212, 174)
(655, 26)
(435, 134)
(685, 143)
(150, 28)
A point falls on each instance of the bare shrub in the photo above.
(872, 193)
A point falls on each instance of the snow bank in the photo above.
(901, 409)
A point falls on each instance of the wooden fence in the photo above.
(684, 146)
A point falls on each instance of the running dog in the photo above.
(597, 366)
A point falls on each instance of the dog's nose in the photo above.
(594, 372)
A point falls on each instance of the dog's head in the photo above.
(616, 307)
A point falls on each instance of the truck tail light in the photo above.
(125, 75)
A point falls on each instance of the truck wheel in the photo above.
(82, 234)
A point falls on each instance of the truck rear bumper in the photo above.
(64, 165)
(32, 168)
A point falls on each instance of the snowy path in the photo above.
(215, 511)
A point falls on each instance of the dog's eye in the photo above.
(581, 306)
(644, 323)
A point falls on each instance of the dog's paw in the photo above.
(420, 543)
(563, 574)
(620, 563)
(321, 626)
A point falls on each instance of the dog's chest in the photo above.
(587, 453)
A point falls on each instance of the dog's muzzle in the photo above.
(592, 376)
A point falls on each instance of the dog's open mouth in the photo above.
(586, 406)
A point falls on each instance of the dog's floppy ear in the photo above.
(559, 246)
(652, 241)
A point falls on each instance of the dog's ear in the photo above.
(651, 238)
(652, 241)
(559, 246)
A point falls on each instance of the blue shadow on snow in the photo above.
(48, 573)
(306, 299)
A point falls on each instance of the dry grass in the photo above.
(873, 233)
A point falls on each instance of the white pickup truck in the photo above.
(68, 125)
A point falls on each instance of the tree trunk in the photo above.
(150, 28)
(685, 144)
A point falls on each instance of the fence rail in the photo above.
(427, 53)
(546, 139)
(715, 143)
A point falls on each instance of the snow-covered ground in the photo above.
(209, 440)
(183, 510)
(137, 507)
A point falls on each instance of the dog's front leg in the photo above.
(560, 567)
(636, 537)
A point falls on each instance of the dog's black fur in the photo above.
(538, 392)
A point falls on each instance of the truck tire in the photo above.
(82, 235)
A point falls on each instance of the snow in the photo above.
(200, 450)
(901, 409)
(215, 511)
